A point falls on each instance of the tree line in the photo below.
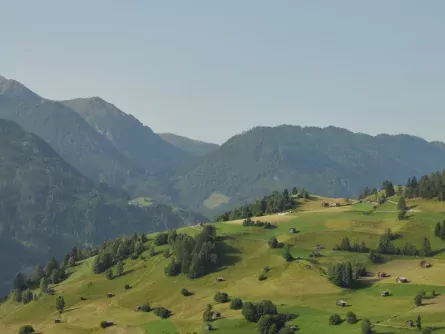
(52, 273)
(114, 251)
(273, 203)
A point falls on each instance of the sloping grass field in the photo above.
(298, 287)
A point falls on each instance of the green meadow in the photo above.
(298, 287)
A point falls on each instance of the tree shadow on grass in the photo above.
(228, 255)
(72, 309)
(437, 251)
(127, 272)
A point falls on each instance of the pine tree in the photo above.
(294, 191)
(109, 274)
(19, 281)
(418, 300)
(60, 304)
(43, 285)
(366, 327)
(120, 268)
(426, 247)
(401, 204)
(419, 323)
(345, 244)
(437, 230)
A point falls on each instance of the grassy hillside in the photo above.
(298, 287)
(47, 206)
(195, 147)
(329, 161)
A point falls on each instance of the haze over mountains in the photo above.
(70, 168)
(107, 145)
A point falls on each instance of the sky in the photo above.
(212, 69)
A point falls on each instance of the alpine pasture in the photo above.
(300, 286)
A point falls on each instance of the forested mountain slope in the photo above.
(133, 140)
(195, 147)
(329, 161)
(48, 206)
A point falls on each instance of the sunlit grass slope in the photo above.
(299, 287)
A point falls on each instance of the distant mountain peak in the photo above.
(16, 90)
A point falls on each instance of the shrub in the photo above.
(27, 329)
(334, 319)
(127, 286)
(162, 312)
(103, 324)
(221, 297)
(262, 277)
(185, 292)
(375, 258)
(266, 269)
(351, 318)
(427, 331)
(145, 308)
(236, 304)
(366, 327)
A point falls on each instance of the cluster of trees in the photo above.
(266, 315)
(341, 274)
(41, 277)
(346, 246)
(193, 256)
(387, 187)
(111, 252)
(429, 186)
(386, 246)
(275, 202)
(249, 222)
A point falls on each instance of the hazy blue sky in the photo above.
(211, 69)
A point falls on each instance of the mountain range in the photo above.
(47, 206)
(107, 145)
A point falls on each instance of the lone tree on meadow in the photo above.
(60, 304)
(366, 327)
(418, 300)
(419, 323)
(401, 215)
(401, 204)
(273, 242)
(426, 247)
(26, 329)
(351, 318)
